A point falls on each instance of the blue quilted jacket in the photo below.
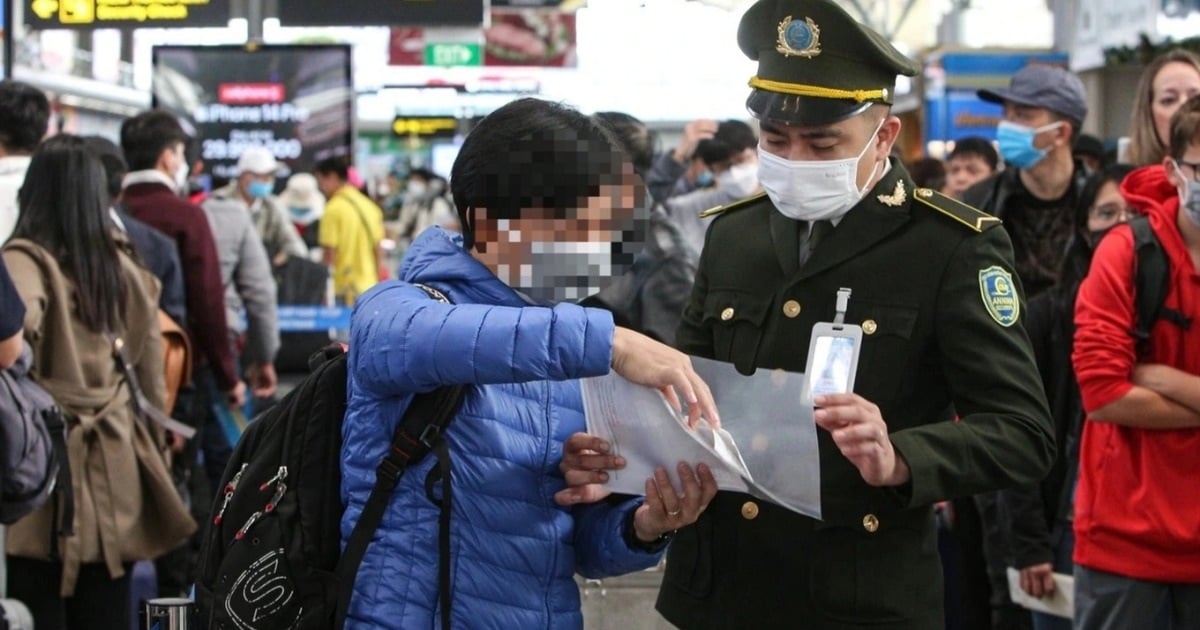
(514, 551)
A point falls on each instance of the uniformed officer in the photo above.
(933, 291)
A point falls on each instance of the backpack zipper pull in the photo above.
(241, 533)
(280, 475)
(229, 488)
(274, 502)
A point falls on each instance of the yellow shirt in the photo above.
(353, 227)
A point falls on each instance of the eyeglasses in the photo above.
(1111, 212)
(1190, 166)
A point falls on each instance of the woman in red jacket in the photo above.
(1137, 508)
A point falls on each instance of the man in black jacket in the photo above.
(157, 251)
(1035, 196)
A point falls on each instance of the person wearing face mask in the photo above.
(1044, 108)
(1142, 399)
(681, 170)
(424, 206)
(1038, 517)
(932, 290)
(253, 192)
(153, 143)
(1036, 196)
(541, 228)
(731, 157)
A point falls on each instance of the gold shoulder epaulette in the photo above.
(967, 215)
(740, 203)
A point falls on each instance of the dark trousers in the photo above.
(99, 602)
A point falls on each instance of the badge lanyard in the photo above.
(833, 351)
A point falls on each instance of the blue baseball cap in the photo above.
(1048, 87)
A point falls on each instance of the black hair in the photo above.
(336, 165)
(532, 153)
(976, 145)
(636, 138)
(422, 173)
(926, 172)
(737, 134)
(144, 137)
(711, 151)
(1089, 145)
(112, 160)
(1078, 257)
(26, 115)
(63, 209)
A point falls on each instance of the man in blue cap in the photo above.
(933, 306)
(1035, 196)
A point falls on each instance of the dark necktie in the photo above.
(811, 239)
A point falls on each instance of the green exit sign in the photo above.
(453, 55)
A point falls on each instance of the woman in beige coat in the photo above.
(82, 292)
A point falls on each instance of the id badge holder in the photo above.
(832, 354)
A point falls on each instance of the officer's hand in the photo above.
(585, 460)
(667, 508)
(1038, 580)
(862, 436)
(693, 133)
(648, 362)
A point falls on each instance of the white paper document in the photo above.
(766, 447)
(1060, 604)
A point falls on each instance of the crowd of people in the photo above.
(1012, 394)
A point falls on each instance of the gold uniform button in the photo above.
(749, 510)
(869, 326)
(727, 314)
(791, 309)
(871, 523)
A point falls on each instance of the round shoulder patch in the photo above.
(999, 295)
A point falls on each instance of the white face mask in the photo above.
(181, 178)
(813, 190)
(740, 180)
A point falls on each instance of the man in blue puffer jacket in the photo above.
(532, 177)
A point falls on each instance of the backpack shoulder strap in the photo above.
(419, 432)
(1151, 279)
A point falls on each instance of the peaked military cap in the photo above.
(816, 64)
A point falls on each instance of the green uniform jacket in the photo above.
(931, 348)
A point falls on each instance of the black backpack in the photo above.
(33, 449)
(1152, 281)
(272, 557)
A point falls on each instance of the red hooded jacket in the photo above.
(1137, 503)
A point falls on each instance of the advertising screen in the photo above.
(298, 101)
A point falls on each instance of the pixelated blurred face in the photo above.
(1175, 83)
(564, 254)
(964, 171)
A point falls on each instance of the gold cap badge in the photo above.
(799, 39)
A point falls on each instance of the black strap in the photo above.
(1152, 282)
(421, 431)
(63, 485)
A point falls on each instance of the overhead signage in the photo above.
(381, 13)
(448, 55)
(425, 126)
(87, 14)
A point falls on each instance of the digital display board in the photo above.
(381, 12)
(298, 101)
